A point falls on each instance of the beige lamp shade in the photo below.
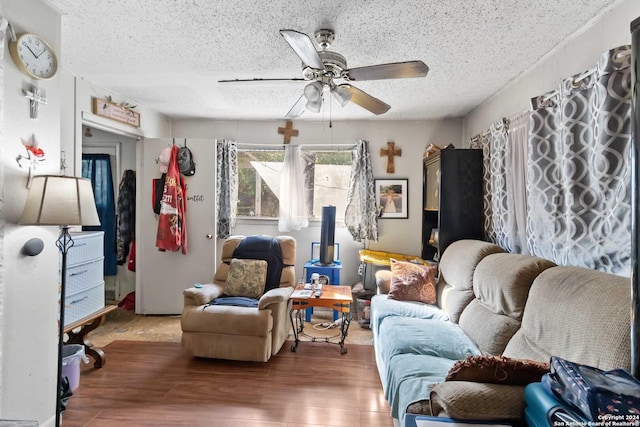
(60, 200)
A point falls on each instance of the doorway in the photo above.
(121, 153)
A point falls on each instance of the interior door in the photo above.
(162, 276)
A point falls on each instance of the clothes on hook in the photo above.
(126, 215)
(172, 228)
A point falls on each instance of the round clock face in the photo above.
(34, 57)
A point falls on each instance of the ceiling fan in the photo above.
(323, 67)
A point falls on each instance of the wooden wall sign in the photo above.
(112, 111)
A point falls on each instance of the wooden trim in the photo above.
(104, 108)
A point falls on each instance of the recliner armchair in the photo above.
(236, 332)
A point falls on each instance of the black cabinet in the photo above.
(452, 199)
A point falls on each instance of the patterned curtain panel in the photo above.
(579, 175)
(226, 187)
(293, 209)
(482, 142)
(361, 214)
(504, 185)
(499, 208)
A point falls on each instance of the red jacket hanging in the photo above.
(172, 228)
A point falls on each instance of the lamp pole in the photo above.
(64, 243)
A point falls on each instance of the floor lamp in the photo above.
(63, 201)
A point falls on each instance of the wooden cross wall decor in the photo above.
(389, 153)
(288, 131)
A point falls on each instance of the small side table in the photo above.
(86, 325)
(337, 297)
(332, 271)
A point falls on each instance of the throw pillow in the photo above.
(412, 282)
(497, 370)
(246, 278)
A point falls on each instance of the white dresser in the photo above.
(85, 275)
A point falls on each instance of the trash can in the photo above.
(71, 356)
(364, 312)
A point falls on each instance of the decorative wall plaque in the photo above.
(105, 108)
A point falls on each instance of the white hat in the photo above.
(163, 161)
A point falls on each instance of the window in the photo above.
(259, 181)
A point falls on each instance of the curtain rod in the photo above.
(279, 147)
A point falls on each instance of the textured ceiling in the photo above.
(170, 54)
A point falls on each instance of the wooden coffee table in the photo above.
(337, 298)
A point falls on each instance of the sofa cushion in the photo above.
(457, 265)
(578, 314)
(489, 331)
(382, 307)
(227, 320)
(501, 281)
(437, 341)
(497, 370)
(246, 278)
(426, 336)
(465, 400)
(383, 281)
(412, 282)
(402, 335)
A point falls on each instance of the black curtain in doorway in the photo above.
(97, 168)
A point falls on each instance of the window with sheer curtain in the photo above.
(325, 174)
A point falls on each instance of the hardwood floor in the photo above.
(159, 384)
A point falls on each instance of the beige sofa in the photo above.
(517, 306)
(239, 333)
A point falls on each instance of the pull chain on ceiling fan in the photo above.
(321, 68)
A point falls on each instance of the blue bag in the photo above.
(595, 393)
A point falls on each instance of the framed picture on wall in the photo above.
(393, 197)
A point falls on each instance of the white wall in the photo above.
(29, 286)
(396, 235)
(575, 55)
(29, 289)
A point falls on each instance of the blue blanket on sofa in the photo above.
(416, 344)
(417, 353)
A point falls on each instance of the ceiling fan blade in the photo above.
(304, 48)
(297, 109)
(365, 100)
(296, 79)
(397, 70)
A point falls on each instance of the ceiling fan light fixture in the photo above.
(341, 95)
(313, 91)
(314, 106)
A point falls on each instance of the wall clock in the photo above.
(33, 56)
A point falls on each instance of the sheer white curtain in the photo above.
(293, 209)
(516, 223)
